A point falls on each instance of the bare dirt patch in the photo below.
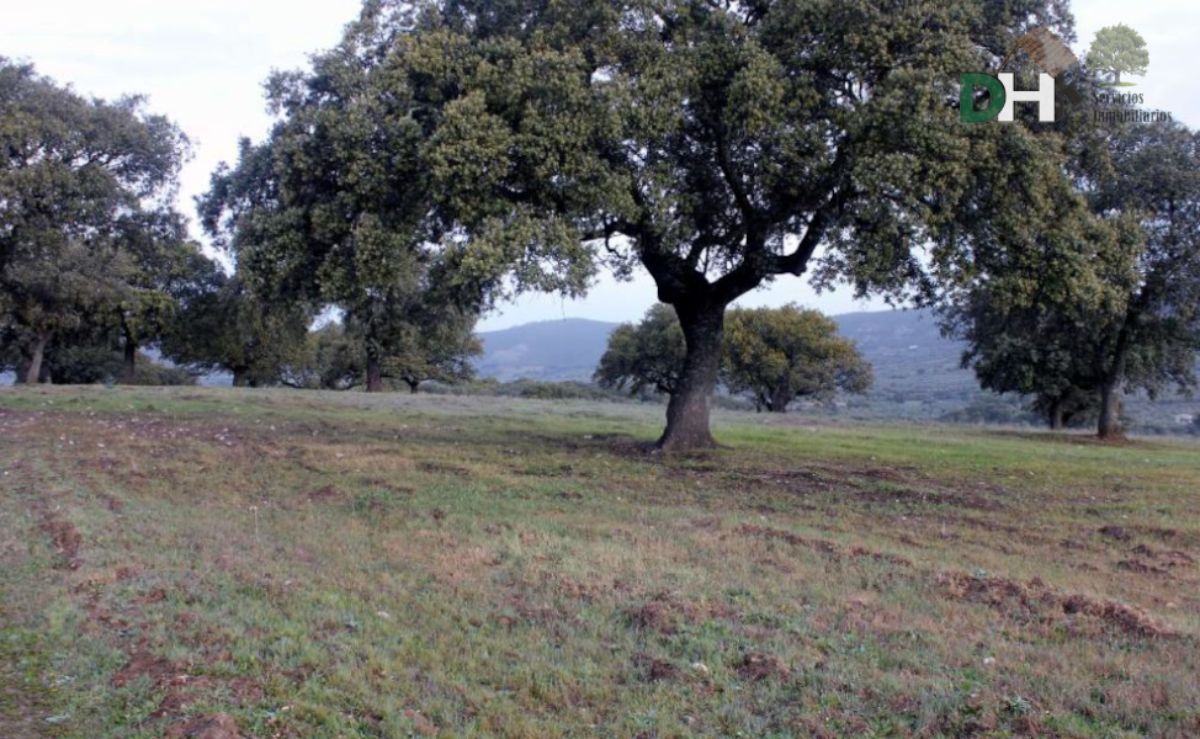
(667, 613)
(1036, 604)
(65, 538)
(142, 663)
(216, 726)
(758, 666)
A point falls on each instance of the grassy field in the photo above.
(195, 562)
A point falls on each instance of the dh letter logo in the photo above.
(997, 98)
(1001, 97)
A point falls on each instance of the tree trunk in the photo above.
(374, 374)
(1110, 412)
(130, 358)
(239, 378)
(779, 400)
(1055, 416)
(33, 371)
(687, 413)
(413, 386)
(1110, 390)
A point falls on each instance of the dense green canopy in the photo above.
(87, 241)
(1111, 302)
(525, 145)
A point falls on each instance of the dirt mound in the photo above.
(160, 670)
(821, 546)
(327, 494)
(1130, 620)
(757, 666)
(661, 669)
(66, 539)
(666, 613)
(1115, 532)
(766, 532)
(1036, 604)
(1169, 558)
(216, 726)
(1140, 567)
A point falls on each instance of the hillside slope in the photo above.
(909, 353)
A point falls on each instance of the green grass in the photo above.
(343, 565)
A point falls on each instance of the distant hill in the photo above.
(905, 347)
(917, 371)
(567, 349)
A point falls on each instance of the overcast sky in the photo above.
(203, 64)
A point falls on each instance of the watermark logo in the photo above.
(1119, 50)
(1002, 97)
(1048, 51)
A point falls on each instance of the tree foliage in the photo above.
(777, 355)
(773, 355)
(83, 227)
(335, 208)
(337, 355)
(648, 356)
(1108, 301)
(716, 145)
(232, 329)
(1119, 50)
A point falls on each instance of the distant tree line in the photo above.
(96, 267)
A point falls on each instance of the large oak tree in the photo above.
(718, 145)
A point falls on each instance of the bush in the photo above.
(992, 410)
(90, 365)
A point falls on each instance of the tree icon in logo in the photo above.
(1119, 50)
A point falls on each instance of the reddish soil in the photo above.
(1036, 604)
(142, 663)
(66, 539)
(217, 726)
(757, 666)
(666, 614)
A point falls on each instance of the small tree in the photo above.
(645, 356)
(166, 271)
(438, 348)
(1119, 50)
(335, 208)
(258, 342)
(776, 355)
